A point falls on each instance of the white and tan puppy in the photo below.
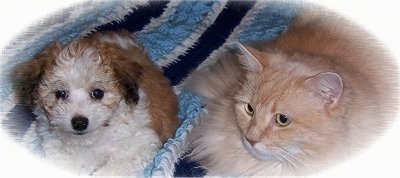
(102, 107)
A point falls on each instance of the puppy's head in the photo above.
(80, 87)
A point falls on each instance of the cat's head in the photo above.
(287, 111)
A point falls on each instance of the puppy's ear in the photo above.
(126, 70)
(27, 75)
(128, 73)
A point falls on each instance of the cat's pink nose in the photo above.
(251, 141)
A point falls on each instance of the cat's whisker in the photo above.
(286, 160)
(250, 169)
(301, 162)
(295, 164)
(308, 165)
(276, 165)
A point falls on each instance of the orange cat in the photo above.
(294, 106)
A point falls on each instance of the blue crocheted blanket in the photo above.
(180, 37)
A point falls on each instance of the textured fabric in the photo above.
(180, 36)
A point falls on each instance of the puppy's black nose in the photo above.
(80, 123)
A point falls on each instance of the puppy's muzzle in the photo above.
(80, 123)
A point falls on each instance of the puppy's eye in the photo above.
(282, 120)
(97, 94)
(61, 94)
(249, 110)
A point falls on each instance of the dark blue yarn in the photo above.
(136, 20)
(209, 41)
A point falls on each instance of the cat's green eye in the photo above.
(282, 120)
(249, 110)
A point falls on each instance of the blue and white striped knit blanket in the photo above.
(180, 36)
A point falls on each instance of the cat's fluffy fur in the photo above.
(102, 107)
(329, 78)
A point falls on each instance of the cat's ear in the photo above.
(249, 58)
(327, 85)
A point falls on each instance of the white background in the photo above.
(380, 18)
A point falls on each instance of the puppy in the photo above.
(102, 107)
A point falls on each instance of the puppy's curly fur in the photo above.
(102, 107)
